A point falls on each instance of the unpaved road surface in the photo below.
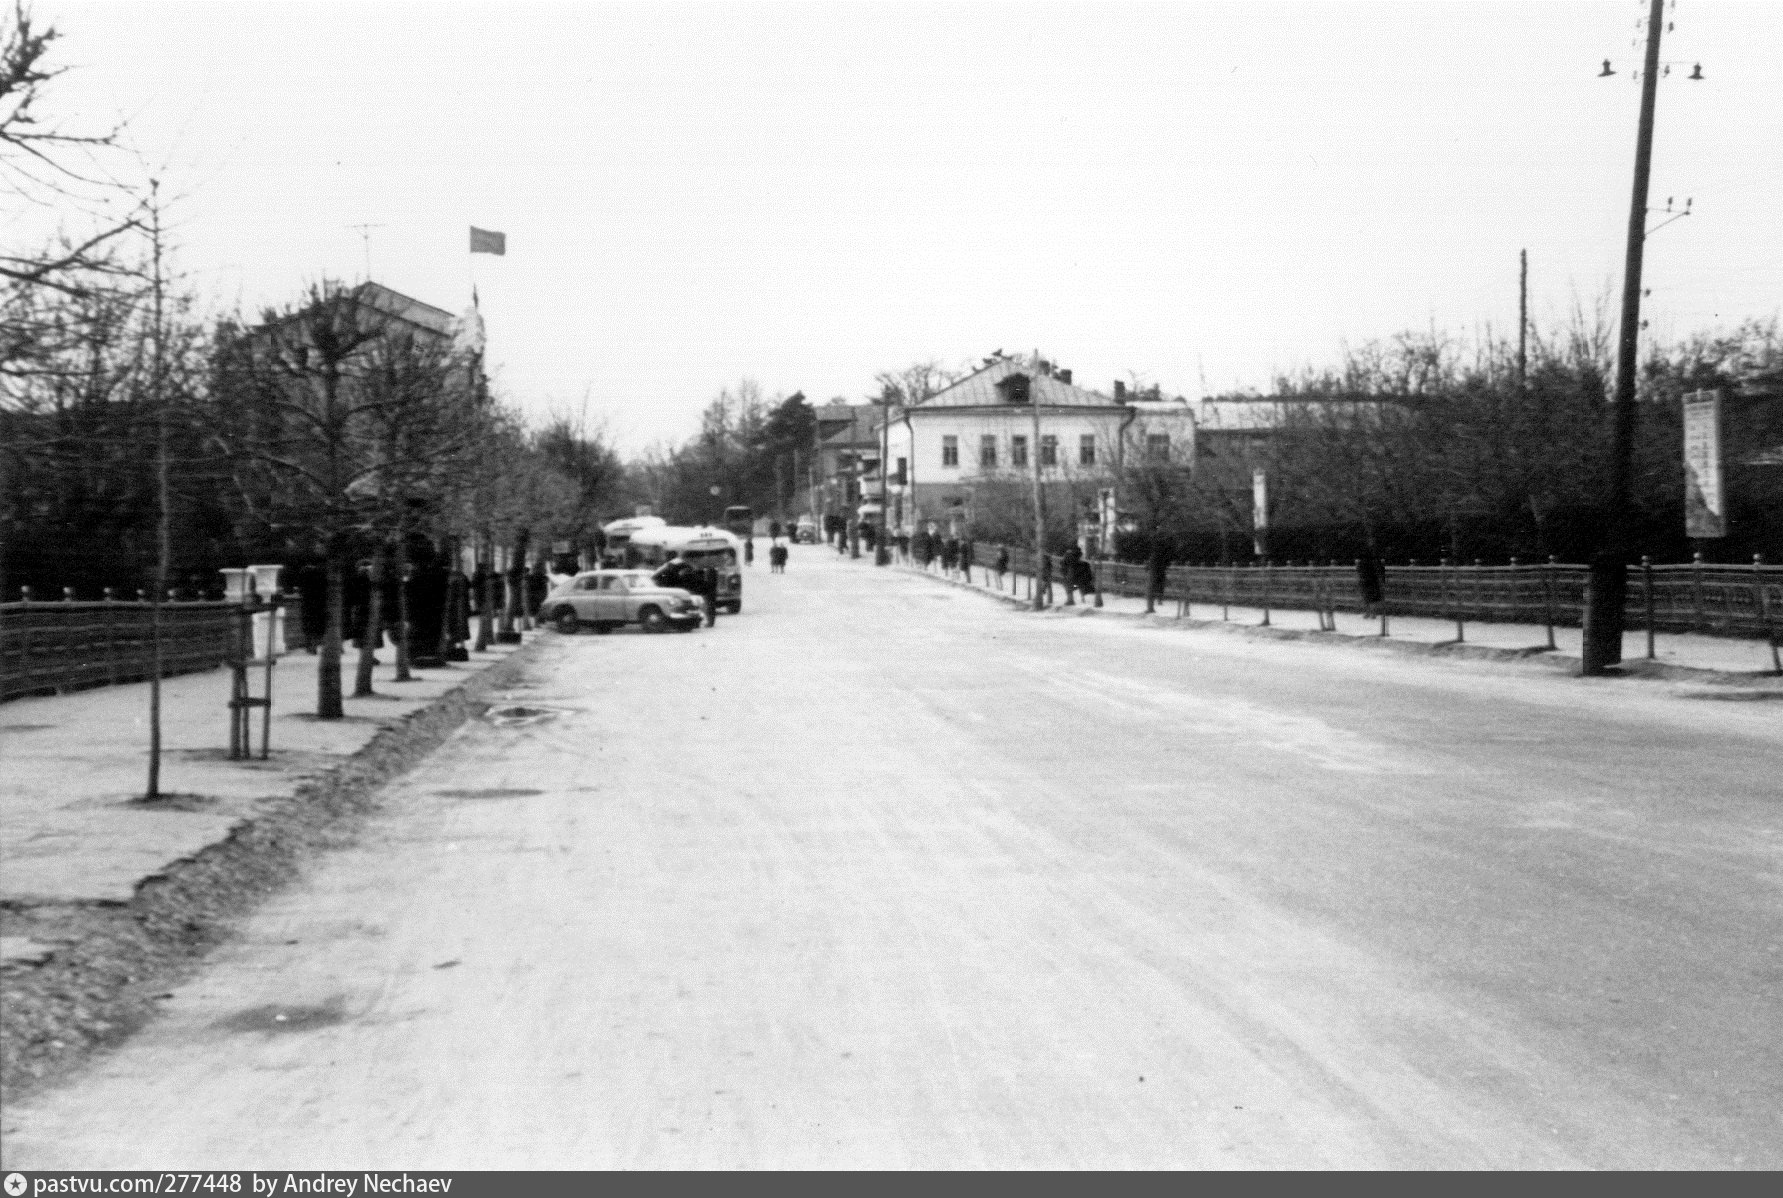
(884, 873)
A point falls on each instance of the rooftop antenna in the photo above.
(365, 235)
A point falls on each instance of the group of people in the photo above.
(952, 556)
(777, 552)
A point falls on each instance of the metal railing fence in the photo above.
(1716, 600)
(50, 647)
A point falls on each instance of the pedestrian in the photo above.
(1073, 557)
(312, 603)
(1043, 588)
(679, 572)
(1157, 573)
(749, 550)
(1002, 566)
(1086, 580)
(777, 558)
(950, 556)
(966, 557)
(904, 548)
(773, 530)
(709, 592)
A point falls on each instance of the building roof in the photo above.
(840, 425)
(407, 308)
(979, 390)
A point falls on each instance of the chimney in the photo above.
(1064, 376)
(1046, 368)
(1120, 391)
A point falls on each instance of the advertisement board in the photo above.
(1705, 512)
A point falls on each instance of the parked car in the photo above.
(607, 599)
(807, 533)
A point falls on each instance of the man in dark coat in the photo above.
(312, 604)
(679, 572)
(1086, 580)
(1069, 563)
(427, 587)
(458, 615)
(1044, 587)
(1157, 573)
(709, 592)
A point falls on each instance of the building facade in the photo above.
(978, 441)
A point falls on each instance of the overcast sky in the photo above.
(805, 194)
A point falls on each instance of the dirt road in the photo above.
(882, 873)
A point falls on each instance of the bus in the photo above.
(619, 533)
(701, 547)
(739, 520)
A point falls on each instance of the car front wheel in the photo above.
(653, 620)
(566, 621)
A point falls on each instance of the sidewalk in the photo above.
(72, 827)
(1675, 654)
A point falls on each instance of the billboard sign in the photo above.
(1259, 509)
(1705, 511)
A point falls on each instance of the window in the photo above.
(903, 465)
(1086, 450)
(1157, 447)
(1018, 451)
(987, 451)
(1049, 450)
(950, 451)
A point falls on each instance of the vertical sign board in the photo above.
(1705, 513)
(1259, 508)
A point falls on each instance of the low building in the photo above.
(976, 442)
(847, 458)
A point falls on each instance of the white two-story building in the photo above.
(955, 447)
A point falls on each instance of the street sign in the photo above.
(1705, 512)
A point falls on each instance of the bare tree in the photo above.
(304, 405)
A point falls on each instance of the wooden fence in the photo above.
(46, 648)
(1717, 600)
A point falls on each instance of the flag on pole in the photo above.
(485, 242)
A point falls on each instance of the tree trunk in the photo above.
(328, 659)
(514, 603)
(402, 609)
(373, 632)
(486, 600)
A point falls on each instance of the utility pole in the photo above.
(163, 500)
(1523, 319)
(882, 553)
(1039, 499)
(1602, 647)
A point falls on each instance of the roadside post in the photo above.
(1548, 592)
(1647, 594)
